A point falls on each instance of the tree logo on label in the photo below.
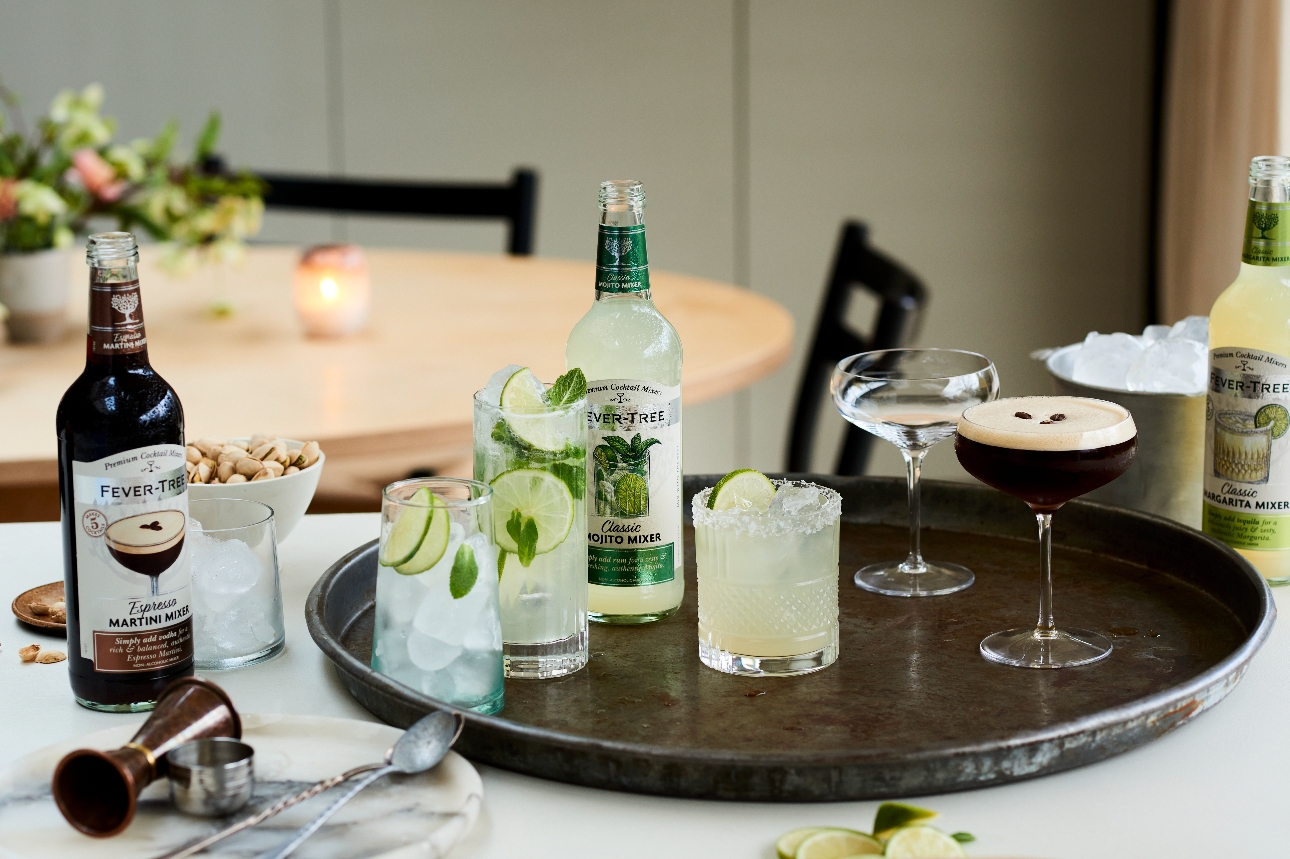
(618, 248)
(126, 304)
(1264, 221)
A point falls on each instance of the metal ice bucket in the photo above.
(1166, 474)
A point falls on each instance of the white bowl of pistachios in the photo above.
(280, 472)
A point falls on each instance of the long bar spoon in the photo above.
(425, 743)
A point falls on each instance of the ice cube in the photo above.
(222, 570)
(1174, 365)
(429, 653)
(485, 556)
(493, 390)
(1192, 328)
(794, 499)
(1152, 333)
(486, 634)
(1104, 360)
(440, 615)
(476, 675)
(439, 684)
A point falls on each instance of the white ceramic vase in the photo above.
(35, 288)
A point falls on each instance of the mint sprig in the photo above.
(568, 389)
(524, 531)
(465, 571)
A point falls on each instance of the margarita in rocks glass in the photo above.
(1046, 451)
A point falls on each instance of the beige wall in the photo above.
(998, 148)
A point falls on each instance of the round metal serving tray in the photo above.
(910, 707)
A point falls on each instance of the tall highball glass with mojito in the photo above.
(531, 448)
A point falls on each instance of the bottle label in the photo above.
(621, 262)
(634, 438)
(116, 319)
(132, 559)
(1267, 234)
(1247, 466)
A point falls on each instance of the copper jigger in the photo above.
(98, 791)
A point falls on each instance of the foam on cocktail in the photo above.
(1048, 423)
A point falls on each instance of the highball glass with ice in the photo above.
(437, 625)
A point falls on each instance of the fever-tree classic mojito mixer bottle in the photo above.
(1247, 408)
(632, 359)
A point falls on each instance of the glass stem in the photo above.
(1046, 628)
(914, 468)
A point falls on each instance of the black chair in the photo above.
(514, 202)
(901, 299)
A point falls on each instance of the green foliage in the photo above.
(524, 531)
(55, 180)
(568, 389)
(465, 571)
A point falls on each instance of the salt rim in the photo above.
(758, 524)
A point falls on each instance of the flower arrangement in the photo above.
(54, 180)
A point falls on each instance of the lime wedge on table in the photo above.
(922, 842)
(744, 487)
(893, 815)
(538, 495)
(1273, 414)
(836, 844)
(408, 530)
(786, 846)
(432, 545)
(524, 401)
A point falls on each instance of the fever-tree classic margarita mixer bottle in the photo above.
(1247, 407)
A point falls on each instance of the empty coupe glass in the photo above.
(912, 398)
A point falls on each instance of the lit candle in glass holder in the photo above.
(332, 291)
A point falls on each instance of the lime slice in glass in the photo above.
(923, 842)
(1273, 414)
(432, 545)
(836, 844)
(744, 487)
(524, 401)
(409, 528)
(893, 815)
(538, 495)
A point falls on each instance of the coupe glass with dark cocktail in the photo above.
(1046, 451)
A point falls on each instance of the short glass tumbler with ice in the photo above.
(437, 627)
(531, 448)
(913, 399)
(768, 581)
(237, 599)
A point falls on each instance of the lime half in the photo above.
(524, 402)
(836, 844)
(409, 528)
(432, 545)
(744, 487)
(1273, 414)
(537, 495)
(923, 842)
(786, 846)
(893, 815)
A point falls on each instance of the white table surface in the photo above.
(1216, 787)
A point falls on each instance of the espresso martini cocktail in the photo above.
(1046, 451)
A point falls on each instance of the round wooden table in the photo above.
(398, 395)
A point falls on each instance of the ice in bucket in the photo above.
(1162, 360)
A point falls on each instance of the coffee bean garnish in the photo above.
(154, 525)
(1057, 417)
(1025, 416)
